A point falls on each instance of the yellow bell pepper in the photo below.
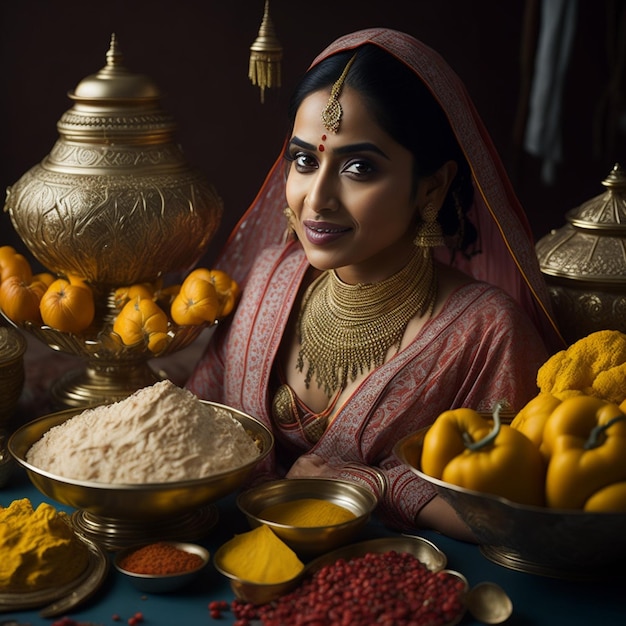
(610, 499)
(585, 440)
(532, 419)
(465, 449)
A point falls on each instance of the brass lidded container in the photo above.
(584, 263)
(12, 375)
(116, 203)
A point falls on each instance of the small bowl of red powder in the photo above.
(162, 566)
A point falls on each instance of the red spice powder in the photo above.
(160, 558)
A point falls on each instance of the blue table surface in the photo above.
(537, 600)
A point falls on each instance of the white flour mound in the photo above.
(160, 434)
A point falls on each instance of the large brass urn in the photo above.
(584, 263)
(116, 203)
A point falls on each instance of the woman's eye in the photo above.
(359, 168)
(304, 160)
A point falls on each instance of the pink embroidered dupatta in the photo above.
(508, 258)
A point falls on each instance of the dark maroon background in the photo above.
(197, 53)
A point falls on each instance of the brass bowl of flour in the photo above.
(119, 515)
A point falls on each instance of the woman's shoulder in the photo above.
(456, 287)
(480, 309)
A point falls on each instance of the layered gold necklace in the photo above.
(346, 330)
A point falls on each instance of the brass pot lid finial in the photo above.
(607, 211)
(591, 246)
(115, 81)
(115, 106)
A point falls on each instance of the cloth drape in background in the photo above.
(543, 137)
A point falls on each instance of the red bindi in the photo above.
(321, 147)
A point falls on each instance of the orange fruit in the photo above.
(227, 289)
(14, 264)
(142, 320)
(197, 302)
(166, 295)
(123, 294)
(44, 277)
(6, 252)
(67, 307)
(20, 301)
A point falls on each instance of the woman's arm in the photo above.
(440, 516)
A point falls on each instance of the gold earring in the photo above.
(290, 230)
(429, 233)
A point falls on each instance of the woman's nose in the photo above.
(322, 193)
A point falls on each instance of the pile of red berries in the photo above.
(388, 589)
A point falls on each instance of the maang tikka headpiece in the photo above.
(331, 115)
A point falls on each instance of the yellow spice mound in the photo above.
(594, 365)
(259, 556)
(307, 513)
(39, 548)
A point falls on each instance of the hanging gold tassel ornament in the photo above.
(266, 55)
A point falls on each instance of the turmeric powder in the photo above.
(39, 548)
(594, 365)
(307, 512)
(259, 556)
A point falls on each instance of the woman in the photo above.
(362, 326)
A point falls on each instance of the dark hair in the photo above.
(404, 107)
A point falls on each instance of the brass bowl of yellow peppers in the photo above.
(545, 494)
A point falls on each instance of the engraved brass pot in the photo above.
(584, 263)
(116, 203)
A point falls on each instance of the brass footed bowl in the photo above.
(309, 541)
(119, 515)
(557, 543)
(111, 370)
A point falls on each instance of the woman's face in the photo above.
(351, 192)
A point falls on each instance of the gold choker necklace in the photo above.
(346, 330)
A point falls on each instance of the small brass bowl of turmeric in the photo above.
(311, 515)
(259, 565)
(162, 566)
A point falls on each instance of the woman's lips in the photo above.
(320, 233)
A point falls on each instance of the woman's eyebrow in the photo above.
(360, 147)
(303, 144)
